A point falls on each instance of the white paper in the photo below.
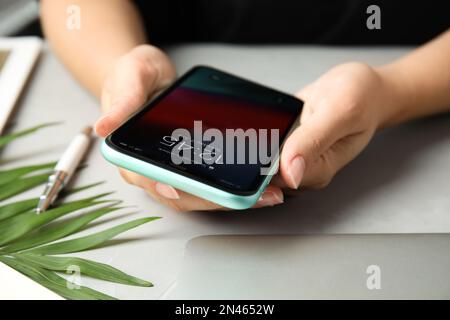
(16, 286)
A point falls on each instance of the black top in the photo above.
(293, 21)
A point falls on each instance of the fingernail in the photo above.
(270, 198)
(295, 171)
(166, 191)
(100, 127)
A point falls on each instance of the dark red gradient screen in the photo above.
(219, 100)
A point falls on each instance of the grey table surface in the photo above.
(399, 184)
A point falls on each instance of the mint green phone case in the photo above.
(186, 184)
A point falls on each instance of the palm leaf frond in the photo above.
(87, 267)
(13, 174)
(18, 186)
(54, 232)
(28, 242)
(5, 139)
(91, 241)
(15, 227)
(14, 208)
(54, 282)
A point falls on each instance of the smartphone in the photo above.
(211, 134)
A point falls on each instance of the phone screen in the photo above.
(203, 99)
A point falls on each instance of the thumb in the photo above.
(119, 111)
(306, 147)
(124, 93)
(135, 79)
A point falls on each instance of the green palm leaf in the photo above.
(87, 267)
(65, 192)
(13, 188)
(27, 240)
(15, 227)
(13, 174)
(4, 140)
(12, 209)
(91, 241)
(55, 282)
(57, 231)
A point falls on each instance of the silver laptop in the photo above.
(378, 266)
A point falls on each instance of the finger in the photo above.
(120, 112)
(185, 202)
(179, 200)
(182, 201)
(271, 196)
(128, 90)
(306, 145)
(176, 199)
(126, 95)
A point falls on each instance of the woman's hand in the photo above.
(342, 111)
(134, 79)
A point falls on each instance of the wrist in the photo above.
(395, 97)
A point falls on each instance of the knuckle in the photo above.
(316, 145)
(139, 65)
(352, 109)
(137, 98)
(150, 70)
(352, 114)
(144, 69)
(144, 65)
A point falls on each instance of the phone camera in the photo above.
(215, 77)
(280, 100)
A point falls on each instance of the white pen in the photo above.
(64, 169)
